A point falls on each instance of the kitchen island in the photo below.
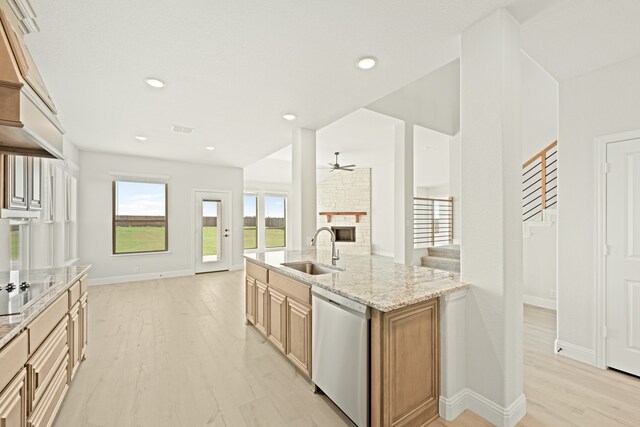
(43, 338)
(404, 355)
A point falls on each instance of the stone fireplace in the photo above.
(343, 195)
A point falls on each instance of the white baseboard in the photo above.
(138, 277)
(451, 408)
(540, 302)
(575, 352)
(383, 253)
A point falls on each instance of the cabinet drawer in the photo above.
(44, 414)
(13, 402)
(257, 272)
(43, 365)
(12, 358)
(42, 326)
(74, 293)
(83, 284)
(292, 288)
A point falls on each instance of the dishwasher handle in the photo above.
(344, 303)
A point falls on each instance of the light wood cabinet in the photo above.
(405, 365)
(75, 340)
(37, 366)
(250, 299)
(261, 307)
(277, 319)
(45, 362)
(13, 402)
(281, 310)
(84, 325)
(44, 414)
(299, 334)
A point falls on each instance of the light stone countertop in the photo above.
(63, 277)
(373, 280)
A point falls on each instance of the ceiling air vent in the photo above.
(181, 129)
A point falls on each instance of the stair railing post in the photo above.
(433, 223)
(543, 162)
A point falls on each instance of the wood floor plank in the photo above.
(176, 352)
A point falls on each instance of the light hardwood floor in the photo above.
(176, 352)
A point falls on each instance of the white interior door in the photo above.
(213, 232)
(623, 259)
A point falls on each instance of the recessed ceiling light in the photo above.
(366, 63)
(210, 148)
(153, 82)
(141, 138)
(428, 148)
(289, 116)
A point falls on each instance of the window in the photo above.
(139, 217)
(275, 221)
(250, 221)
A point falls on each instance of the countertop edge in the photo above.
(50, 297)
(383, 308)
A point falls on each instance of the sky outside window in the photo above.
(140, 199)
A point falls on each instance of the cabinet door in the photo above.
(250, 299)
(261, 307)
(75, 340)
(405, 365)
(35, 192)
(13, 402)
(277, 318)
(16, 196)
(299, 335)
(84, 325)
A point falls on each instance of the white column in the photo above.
(302, 203)
(403, 194)
(490, 82)
(453, 354)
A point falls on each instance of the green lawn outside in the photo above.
(139, 239)
(15, 245)
(275, 237)
(147, 238)
(209, 241)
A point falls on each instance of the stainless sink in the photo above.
(310, 267)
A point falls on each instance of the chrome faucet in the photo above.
(335, 256)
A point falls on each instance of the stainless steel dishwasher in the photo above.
(340, 352)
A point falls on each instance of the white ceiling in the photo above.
(365, 138)
(575, 37)
(233, 68)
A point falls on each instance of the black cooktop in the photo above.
(17, 295)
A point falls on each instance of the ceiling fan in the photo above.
(337, 167)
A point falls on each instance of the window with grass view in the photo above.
(250, 221)
(139, 217)
(275, 208)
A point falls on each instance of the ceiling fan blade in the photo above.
(348, 166)
(333, 165)
(343, 168)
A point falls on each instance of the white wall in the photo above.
(599, 103)
(430, 163)
(539, 108)
(95, 211)
(454, 186)
(539, 266)
(382, 210)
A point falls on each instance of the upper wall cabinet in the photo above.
(23, 183)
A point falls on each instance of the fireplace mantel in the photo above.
(332, 214)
